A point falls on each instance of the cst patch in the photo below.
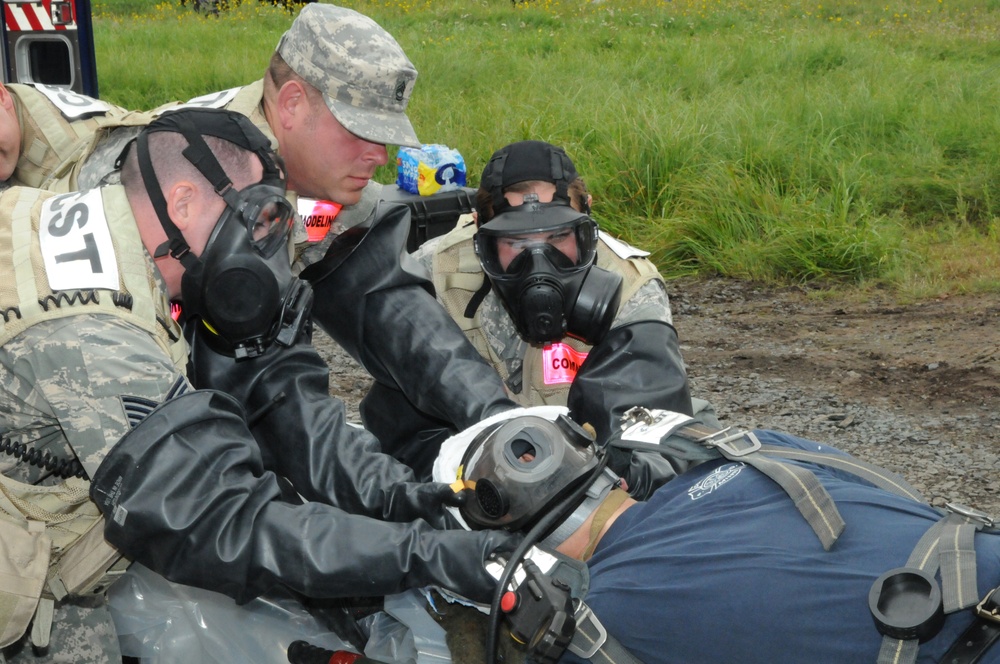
(76, 243)
(715, 480)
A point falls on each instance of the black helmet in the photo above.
(522, 467)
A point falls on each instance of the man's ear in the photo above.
(182, 204)
(292, 103)
(6, 100)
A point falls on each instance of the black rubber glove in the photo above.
(304, 436)
(185, 494)
(634, 365)
(377, 302)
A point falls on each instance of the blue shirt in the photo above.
(719, 567)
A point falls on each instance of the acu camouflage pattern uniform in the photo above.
(457, 275)
(71, 370)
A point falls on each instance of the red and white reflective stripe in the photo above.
(31, 16)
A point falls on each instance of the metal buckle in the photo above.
(993, 615)
(583, 614)
(725, 445)
(970, 513)
(634, 415)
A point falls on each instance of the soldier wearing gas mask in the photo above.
(566, 315)
(95, 401)
(252, 313)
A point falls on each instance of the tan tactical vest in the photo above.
(457, 277)
(54, 535)
(48, 138)
(25, 298)
(65, 176)
(249, 101)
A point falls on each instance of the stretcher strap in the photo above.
(809, 496)
(592, 642)
(880, 477)
(897, 651)
(958, 565)
(948, 546)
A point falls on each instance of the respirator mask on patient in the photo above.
(241, 286)
(521, 468)
(539, 258)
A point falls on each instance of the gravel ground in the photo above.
(909, 386)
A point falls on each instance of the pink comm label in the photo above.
(560, 363)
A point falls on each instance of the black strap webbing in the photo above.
(478, 297)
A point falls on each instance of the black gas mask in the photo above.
(540, 258)
(522, 467)
(241, 287)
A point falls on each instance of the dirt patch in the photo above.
(911, 386)
(942, 353)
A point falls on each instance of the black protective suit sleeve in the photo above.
(304, 436)
(185, 494)
(634, 365)
(377, 302)
(404, 432)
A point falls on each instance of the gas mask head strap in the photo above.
(220, 123)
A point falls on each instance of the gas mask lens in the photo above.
(268, 216)
(572, 236)
(563, 240)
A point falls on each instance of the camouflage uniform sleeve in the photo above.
(99, 166)
(73, 377)
(650, 302)
(424, 254)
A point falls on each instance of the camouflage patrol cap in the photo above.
(364, 75)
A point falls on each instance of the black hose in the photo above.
(561, 511)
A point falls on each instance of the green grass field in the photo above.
(849, 143)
